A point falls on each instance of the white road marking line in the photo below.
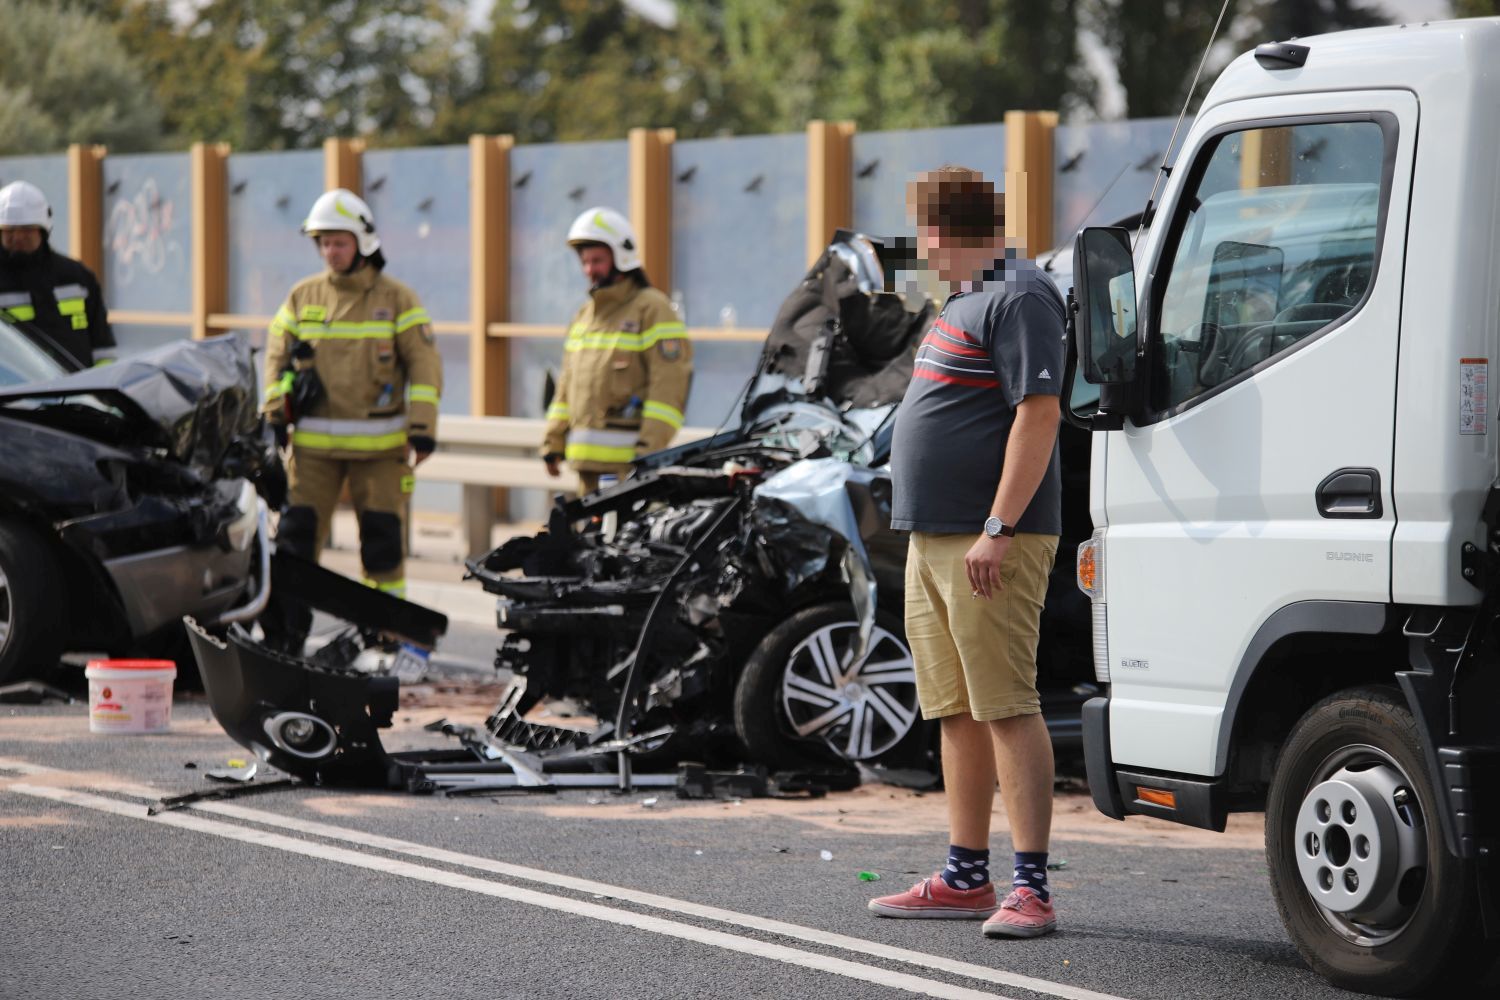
(500, 890)
(937, 963)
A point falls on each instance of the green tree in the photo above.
(1476, 8)
(274, 74)
(64, 79)
(575, 69)
(1276, 20)
(1156, 46)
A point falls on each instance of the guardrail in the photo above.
(481, 453)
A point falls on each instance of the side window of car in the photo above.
(1276, 241)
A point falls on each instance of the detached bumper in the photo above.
(320, 725)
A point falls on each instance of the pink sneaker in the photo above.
(932, 899)
(1022, 915)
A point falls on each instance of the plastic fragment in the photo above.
(593, 800)
(1057, 866)
(869, 876)
(190, 766)
(699, 853)
(241, 773)
(649, 803)
(234, 762)
(826, 855)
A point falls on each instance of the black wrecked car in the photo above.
(130, 495)
(744, 593)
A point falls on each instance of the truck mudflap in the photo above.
(1099, 766)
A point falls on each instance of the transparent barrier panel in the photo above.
(269, 196)
(739, 227)
(138, 338)
(148, 242)
(50, 173)
(885, 161)
(420, 198)
(1104, 171)
(549, 186)
(720, 372)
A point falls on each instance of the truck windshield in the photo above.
(1278, 241)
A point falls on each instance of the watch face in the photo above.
(993, 526)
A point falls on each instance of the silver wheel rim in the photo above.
(859, 709)
(1361, 845)
(7, 612)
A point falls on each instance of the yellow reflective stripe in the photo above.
(396, 588)
(284, 322)
(348, 442)
(418, 393)
(408, 483)
(672, 330)
(620, 340)
(342, 330)
(670, 415)
(21, 313)
(70, 307)
(411, 318)
(598, 453)
(558, 411)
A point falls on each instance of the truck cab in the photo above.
(1295, 568)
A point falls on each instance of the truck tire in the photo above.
(1365, 885)
(31, 601)
(794, 706)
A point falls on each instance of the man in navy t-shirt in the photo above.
(975, 472)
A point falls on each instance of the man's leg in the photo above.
(380, 490)
(962, 889)
(1023, 763)
(969, 779)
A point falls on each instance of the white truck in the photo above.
(1295, 485)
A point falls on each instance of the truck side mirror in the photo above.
(1104, 327)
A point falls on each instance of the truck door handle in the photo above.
(1350, 493)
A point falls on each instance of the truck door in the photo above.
(1257, 474)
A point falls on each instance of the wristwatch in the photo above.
(995, 528)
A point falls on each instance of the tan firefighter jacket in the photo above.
(627, 364)
(381, 373)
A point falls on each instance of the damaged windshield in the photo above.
(22, 361)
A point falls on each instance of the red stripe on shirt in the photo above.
(979, 383)
(950, 347)
(949, 328)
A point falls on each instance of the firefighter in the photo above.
(38, 285)
(352, 370)
(627, 362)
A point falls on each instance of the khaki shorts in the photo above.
(973, 655)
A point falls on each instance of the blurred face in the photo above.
(598, 263)
(22, 239)
(338, 250)
(956, 258)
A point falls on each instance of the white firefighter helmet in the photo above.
(23, 204)
(343, 211)
(605, 225)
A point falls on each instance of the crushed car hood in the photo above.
(191, 398)
(838, 338)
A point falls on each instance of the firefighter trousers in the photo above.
(588, 482)
(380, 489)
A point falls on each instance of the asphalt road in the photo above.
(312, 892)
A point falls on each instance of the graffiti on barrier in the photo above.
(139, 236)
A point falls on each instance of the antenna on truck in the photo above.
(1164, 170)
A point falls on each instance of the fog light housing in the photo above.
(302, 735)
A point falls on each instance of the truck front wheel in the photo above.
(1366, 888)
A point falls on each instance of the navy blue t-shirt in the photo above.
(988, 350)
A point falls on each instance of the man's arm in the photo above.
(1027, 454)
(424, 373)
(101, 337)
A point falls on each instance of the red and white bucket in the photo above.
(130, 696)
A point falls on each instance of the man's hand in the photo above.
(421, 450)
(982, 562)
(552, 460)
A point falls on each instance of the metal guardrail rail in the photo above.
(482, 453)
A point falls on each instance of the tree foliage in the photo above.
(64, 79)
(275, 74)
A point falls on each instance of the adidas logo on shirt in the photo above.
(1046, 375)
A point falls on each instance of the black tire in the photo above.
(888, 731)
(31, 604)
(1407, 920)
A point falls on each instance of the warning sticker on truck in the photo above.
(1473, 395)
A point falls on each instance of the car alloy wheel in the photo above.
(860, 709)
